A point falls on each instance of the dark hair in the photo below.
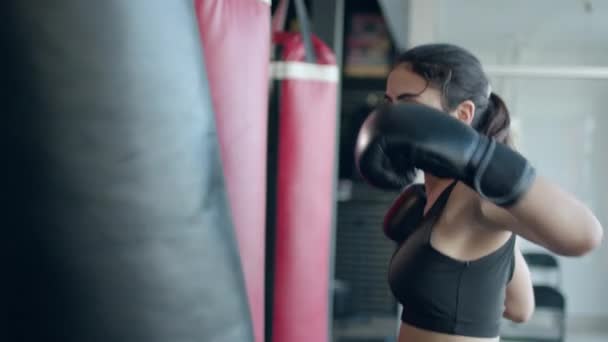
(459, 76)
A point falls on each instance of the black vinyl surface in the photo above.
(115, 214)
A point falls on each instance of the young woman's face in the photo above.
(403, 85)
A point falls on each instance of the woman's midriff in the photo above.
(408, 333)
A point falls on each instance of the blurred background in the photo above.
(549, 60)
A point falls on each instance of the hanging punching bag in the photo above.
(118, 222)
(302, 158)
(235, 34)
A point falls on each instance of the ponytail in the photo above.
(495, 121)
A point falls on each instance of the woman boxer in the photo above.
(458, 270)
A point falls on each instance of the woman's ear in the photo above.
(465, 112)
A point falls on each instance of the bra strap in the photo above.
(436, 209)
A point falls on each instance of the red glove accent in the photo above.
(405, 213)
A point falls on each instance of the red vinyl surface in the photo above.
(236, 41)
(307, 139)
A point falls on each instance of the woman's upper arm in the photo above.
(550, 217)
(519, 301)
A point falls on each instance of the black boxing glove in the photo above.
(383, 168)
(443, 146)
(405, 213)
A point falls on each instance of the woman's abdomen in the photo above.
(408, 333)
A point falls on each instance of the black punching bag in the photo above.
(117, 222)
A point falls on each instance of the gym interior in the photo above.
(184, 170)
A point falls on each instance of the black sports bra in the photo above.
(445, 295)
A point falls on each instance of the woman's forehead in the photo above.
(403, 80)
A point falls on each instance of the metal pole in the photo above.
(563, 72)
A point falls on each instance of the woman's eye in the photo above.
(406, 100)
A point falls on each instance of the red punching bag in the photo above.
(235, 36)
(303, 122)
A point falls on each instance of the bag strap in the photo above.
(279, 17)
(278, 25)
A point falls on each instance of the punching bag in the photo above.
(119, 222)
(235, 35)
(302, 153)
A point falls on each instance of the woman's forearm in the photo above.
(557, 220)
